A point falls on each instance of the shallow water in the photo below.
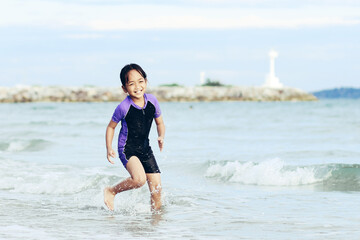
(230, 170)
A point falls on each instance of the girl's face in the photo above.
(136, 85)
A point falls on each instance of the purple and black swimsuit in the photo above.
(135, 128)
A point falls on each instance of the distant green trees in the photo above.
(212, 83)
(208, 83)
(170, 85)
(344, 92)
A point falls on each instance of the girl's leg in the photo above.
(154, 182)
(137, 179)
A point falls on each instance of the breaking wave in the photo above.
(275, 172)
(24, 145)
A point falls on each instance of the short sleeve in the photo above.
(117, 116)
(121, 111)
(155, 102)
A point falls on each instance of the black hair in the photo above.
(124, 73)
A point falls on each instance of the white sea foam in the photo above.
(24, 177)
(83, 185)
(17, 146)
(22, 232)
(272, 172)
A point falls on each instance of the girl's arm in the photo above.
(109, 138)
(161, 131)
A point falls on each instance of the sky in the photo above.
(87, 42)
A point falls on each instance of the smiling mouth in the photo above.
(138, 91)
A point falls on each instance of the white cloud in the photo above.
(53, 14)
(83, 36)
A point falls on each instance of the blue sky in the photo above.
(86, 42)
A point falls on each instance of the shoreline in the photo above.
(19, 94)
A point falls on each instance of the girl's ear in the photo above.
(124, 89)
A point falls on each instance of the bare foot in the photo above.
(109, 198)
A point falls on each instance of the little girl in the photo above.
(136, 113)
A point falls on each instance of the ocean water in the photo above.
(230, 170)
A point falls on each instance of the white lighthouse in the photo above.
(271, 80)
(202, 78)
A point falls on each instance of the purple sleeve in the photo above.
(154, 101)
(121, 111)
(118, 115)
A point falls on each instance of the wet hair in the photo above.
(124, 73)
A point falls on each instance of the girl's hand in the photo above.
(161, 143)
(110, 154)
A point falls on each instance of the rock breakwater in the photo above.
(107, 94)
